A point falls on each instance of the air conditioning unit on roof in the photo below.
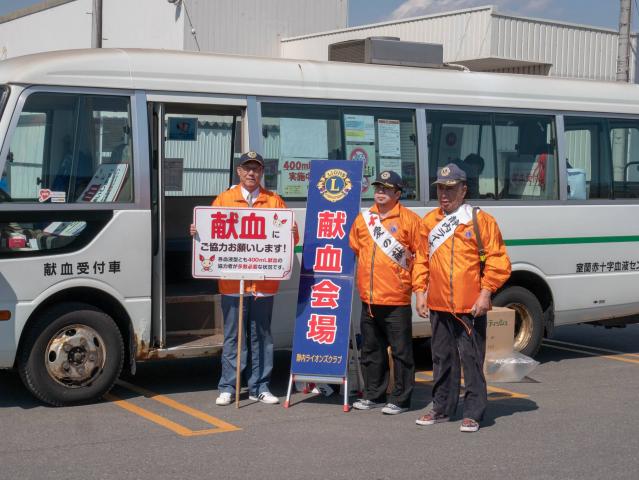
(388, 51)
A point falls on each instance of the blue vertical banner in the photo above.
(322, 325)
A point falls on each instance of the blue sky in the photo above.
(603, 13)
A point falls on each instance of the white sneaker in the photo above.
(265, 397)
(225, 398)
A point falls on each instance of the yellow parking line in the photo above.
(179, 429)
(216, 422)
(220, 425)
(618, 358)
(502, 391)
(599, 349)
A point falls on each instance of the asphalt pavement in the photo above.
(573, 417)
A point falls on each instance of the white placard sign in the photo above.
(106, 183)
(526, 177)
(232, 242)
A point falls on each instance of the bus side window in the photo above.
(61, 150)
(293, 135)
(624, 145)
(529, 165)
(587, 158)
(505, 156)
(464, 138)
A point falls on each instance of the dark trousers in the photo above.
(388, 325)
(452, 349)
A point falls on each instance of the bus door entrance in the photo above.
(197, 147)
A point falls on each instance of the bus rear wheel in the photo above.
(72, 354)
(529, 318)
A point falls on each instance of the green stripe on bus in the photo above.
(570, 240)
(522, 242)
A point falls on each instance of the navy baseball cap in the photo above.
(390, 179)
(450, 174)
(251, 156)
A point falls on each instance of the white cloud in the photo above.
(413, 8)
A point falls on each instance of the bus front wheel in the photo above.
(72, 354)
(529, 318)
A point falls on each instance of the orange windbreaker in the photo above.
(381, 281)
(266, 199)
(451, 275)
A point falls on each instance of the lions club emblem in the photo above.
(445, 172)
(385, 175)
(334, 184)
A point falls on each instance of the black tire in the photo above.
(101, 363)
(529, 318)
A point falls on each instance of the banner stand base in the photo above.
(318, 379)
(353, 356)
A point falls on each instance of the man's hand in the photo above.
(192, 230)
(482, 304)
(420, 304)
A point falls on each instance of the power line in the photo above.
(193, 32)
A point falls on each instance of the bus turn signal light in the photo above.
(5, 315)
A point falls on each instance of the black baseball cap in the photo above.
(450, 174)
(390, 179)
(251, 156)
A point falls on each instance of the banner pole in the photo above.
(238, 359)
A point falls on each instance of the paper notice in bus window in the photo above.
(359, 128)
(303, 138)
(173, 174)
(182, 128)
(366, 153)
(294, 174)
(105, 184)
(388, 138)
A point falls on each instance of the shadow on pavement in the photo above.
(13, 392)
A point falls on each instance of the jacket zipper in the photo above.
(452, 256)
(372, 272)
(452, 296)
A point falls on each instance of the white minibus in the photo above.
(105, 153)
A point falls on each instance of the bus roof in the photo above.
(178, 71)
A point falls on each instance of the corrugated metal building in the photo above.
(249, 27)
(485, 40)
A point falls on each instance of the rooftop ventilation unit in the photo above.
(388, 51)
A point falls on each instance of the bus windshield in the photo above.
(4, 94)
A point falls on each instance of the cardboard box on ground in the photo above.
(500, 332)
(502, 363)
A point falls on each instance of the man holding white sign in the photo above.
(244, 244)
(461, 262)
(385, 238)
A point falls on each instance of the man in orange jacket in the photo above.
(459, 285)
(258, 308)
(385, 238)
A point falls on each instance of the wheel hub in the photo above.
(523, 325)
(75, 356)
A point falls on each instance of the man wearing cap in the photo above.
(460, 280)
(385, 238)
(258, 307)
